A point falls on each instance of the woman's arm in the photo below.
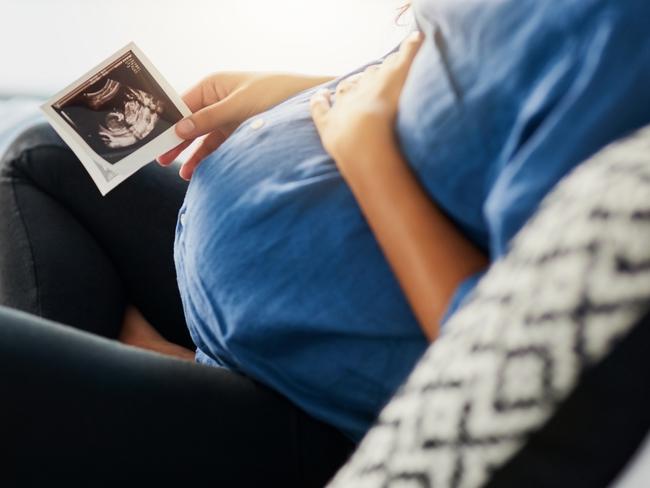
(427, 253)
(222, 101)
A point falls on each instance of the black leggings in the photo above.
(85, 410)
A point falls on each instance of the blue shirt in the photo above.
(280, 276)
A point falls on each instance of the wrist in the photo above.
(374, 151)
(296, 82)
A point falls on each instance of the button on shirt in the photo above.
(280, 275)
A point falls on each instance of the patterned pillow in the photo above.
(575, 283)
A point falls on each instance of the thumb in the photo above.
(409, 49)
(207, 119)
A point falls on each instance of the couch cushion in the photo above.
(524, 349)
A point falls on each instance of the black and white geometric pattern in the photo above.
(576, 280)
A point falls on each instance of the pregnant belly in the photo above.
(278, 234)
(281, 277)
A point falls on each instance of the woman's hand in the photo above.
(222, 101)
(429, 255)
(365, 107)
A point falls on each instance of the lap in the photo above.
(79, 407)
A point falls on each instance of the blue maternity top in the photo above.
(281, 278)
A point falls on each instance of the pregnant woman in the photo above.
(329, 228)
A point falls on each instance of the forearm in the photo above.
(428, 254)
(285, 85)
(309, 81)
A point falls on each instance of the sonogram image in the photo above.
(119, 109)
(134, 115)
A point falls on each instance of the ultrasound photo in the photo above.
(117, 117)
(119, 109)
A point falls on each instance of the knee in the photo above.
(14, 160)
(35, 155)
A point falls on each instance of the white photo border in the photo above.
(106, 175)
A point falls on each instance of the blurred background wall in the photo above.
(46, 44)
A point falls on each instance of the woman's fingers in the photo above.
(352, 81)
(207, 146)
(401, 64)
(169, 157)
(409, 48)
(342, 87)
(348, 83)
(202, 95)
(210, 110)
(320, 104)
(210, 118)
